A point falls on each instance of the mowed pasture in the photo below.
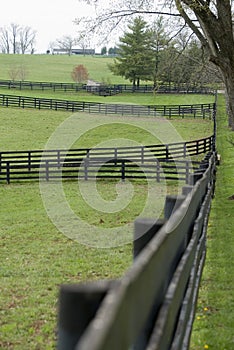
(35, 256)
(57, 68)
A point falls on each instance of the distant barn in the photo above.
(58, 51)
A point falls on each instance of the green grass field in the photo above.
(214, 323)
(57, 68)
(30, 129)
(36, 258)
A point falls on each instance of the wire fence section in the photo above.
(204, 110)
(153, 161)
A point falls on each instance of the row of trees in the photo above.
(112, 51)
(68, 42)
(147, 53)
(17, 39)
(211, 22)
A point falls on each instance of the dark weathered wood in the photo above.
(196, 110)
(144, 231)
(77, 307)
(172, 203)
(137, 162)
(105, 90)
(161, 269)
(153, 304)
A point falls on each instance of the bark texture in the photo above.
(213, 27)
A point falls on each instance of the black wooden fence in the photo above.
(153, 305)
(204, 110)
(115, 88)
(154, 161)
(37, 85)
(109, 90)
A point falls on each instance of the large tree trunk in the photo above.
(214, 28)
(228, 77)
(226, 68)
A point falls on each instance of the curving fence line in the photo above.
(109, 89)
(152, 161)
(204, 110)
(152, 306)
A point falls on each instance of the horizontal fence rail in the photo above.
(156, 161)
(115, 88)
(100, 169)
(204, 110)
(36, 85)
(153, 305)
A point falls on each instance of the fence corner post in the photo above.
(144, 230)
(172, 203)
(193, 178)
(78, 304)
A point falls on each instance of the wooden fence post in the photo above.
(86, 165)
(172, 203)
(144, 231)
(78, 305)
(8, 171)
(158, 170)
(193, 178)
(187, 172)
(186, 190)
(167, 151)
(142, 154)
(47, 169)
(123, 170)
(29, 160)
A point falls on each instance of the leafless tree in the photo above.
(22, 72)
(84, 40)
(27, 39)
(66, 43)
(14, 33)
(5, 40)
(17, 39)
(13, 73)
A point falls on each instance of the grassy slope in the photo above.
(30, 129)
(35, 259)
(126, 98)
(214, 324)
(57, 68)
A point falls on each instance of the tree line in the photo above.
(147, 53)
(210, 21)
(17, 39)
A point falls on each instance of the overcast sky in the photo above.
(52, 19)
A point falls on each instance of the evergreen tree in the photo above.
(159, 44)
(134, 61)
(103, 50)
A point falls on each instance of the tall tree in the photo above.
(214, 28)
(5, 40)
(66, 43)
(14, 30)
(133, 61)
(211, 21)
(17, 39)
(159, 43)
(26, 39)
